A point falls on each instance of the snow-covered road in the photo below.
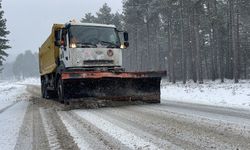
(29, 122)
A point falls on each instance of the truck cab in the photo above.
(90, 46)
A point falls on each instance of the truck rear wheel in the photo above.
(44, 91)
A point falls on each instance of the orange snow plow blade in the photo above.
(127, 86)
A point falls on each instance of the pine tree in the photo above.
(89, 18)
(104, 15)
(116, 20)
(3, 40)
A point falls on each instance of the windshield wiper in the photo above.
(110, 44)
(86, 44)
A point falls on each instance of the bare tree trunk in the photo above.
(194, 52)
(171, 51)
(245, 63)
(234, 44)
(183, 51)
(190, 49)
(212, 43)
(136, 48)
(230, 40)
(148, 64)
(221, 59)
(237, 46)
(197, 43)
(215, 38)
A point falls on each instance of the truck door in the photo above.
(64, 49)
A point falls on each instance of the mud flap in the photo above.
(115, 89)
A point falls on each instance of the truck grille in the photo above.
(98, 62)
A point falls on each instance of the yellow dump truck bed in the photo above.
(49, 53)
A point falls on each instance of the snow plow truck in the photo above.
(84, 60)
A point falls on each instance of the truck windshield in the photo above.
(87, 36)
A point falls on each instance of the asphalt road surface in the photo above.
(170, 125)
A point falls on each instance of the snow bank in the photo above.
(215, 93)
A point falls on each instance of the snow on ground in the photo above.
(215, 93)
(10, 122)
(11, 91)
(11, 112)
(32, 81)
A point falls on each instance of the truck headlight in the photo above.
(122, 46)
(73, 45)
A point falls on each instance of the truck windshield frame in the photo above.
(90, 36)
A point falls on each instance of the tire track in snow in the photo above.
(73, 130)
(43, 129)
(7, 107)
(186, 128)
(86, 135)
(125, 137)
(139, 130)
(50, 131)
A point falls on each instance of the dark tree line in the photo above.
(191, 39)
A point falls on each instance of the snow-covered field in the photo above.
(215, 93)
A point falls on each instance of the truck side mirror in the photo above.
(126, 44)
(125, 34)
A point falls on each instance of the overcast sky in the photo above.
(30, 21)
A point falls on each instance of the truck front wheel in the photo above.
(61, 92)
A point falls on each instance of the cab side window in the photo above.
(57, 35)
(64, 37)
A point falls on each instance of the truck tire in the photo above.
(42, 89)
(45, 92)
(61, 92)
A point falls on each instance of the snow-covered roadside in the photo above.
(215, 93)
(10, 122)
(12, 91)
(30, 81)
(12, 113)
